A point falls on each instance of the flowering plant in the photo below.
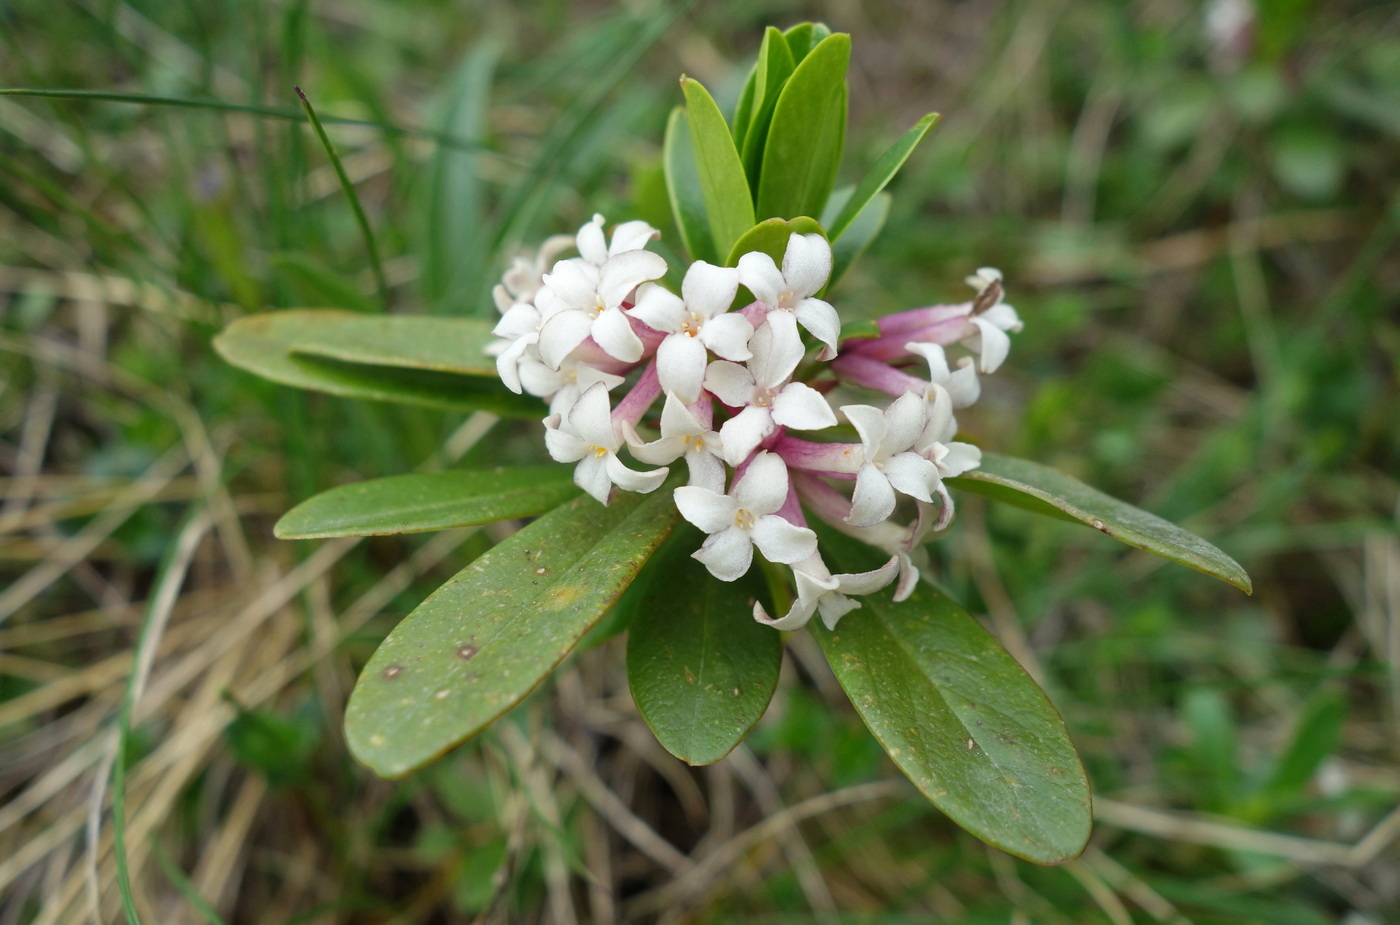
(830, 451)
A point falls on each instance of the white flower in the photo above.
(806, 268)
(586, 436)
(746, 518)
(991, 323)
(562, 387)
(590, 298)
(629, 236)
(820, 591)
(682, 434)
(887, 438)
(522, 281)
(698, 320)
(765, 394)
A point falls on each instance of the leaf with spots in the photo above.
(1052, 493)
(483, 641)
(701, 670)
(960, 717)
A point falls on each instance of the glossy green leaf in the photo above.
(807, 134)
(847, 250)
(424, 501)
(771, 237)
(803, 37)
(483, 641)
(728, 202)
(433, 362)
(683, 188)
(774, 67)
(960, 717)
(701, 670)
(1047, 491)
(880, 175)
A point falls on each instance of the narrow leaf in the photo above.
(807, 133)
(348, 188)
(728, 203)
(771, 237)
(317, 285)
(1315, 739)
(425, 501)
(960, 717)
(683, 188)
(701, 670)
(847, 250)
(483, 641)
(433, 362)
(880, 174)
(1047, 491)
(774, 67)
(803, 37)
(453, 209)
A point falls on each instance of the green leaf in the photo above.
(803, 37)
(880, 174)
(683, 188)
(483, 641)
(775, 65)
(808, 131)
(859, 234)
(1315, 740)
(1052, 493)
(319, 286)
(415, 360)
(425, 501)
(725, 190)
(771, 237)
(960, 717)
(1214, 748)
(701, 670)
(454, 202)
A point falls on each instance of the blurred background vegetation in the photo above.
(1195, 206)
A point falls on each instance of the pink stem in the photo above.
(835, 460)
(826, 502)
(870, 373)
(637, 401)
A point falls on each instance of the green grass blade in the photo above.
(349, 189)
(183, 884)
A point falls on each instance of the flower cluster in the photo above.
(601, 341)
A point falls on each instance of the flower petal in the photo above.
(563, 446)
(591, 475)
(630, 236)
(574, 283)
(561, 334)
(912, 475)
(726, 554)
(871, 581)
(631, 479)
(680, 363)
(992, 343)
(614, 334)
(709, 511)
(835, 606)
(742, 433)
(961, 457)
(802, 407)
(873, 500)
(709, 290)
(869, 422)
(782, 541)
(764, 487)
(591, 246)
(821, 320)
(728, 336)
(760, 275)
(626, 271)
(806, 264)
(658, 308)
(706, 469)
(777, 349)
(591, 418)
(904, 421)
(730, 383)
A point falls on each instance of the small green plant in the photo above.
(724, 374)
